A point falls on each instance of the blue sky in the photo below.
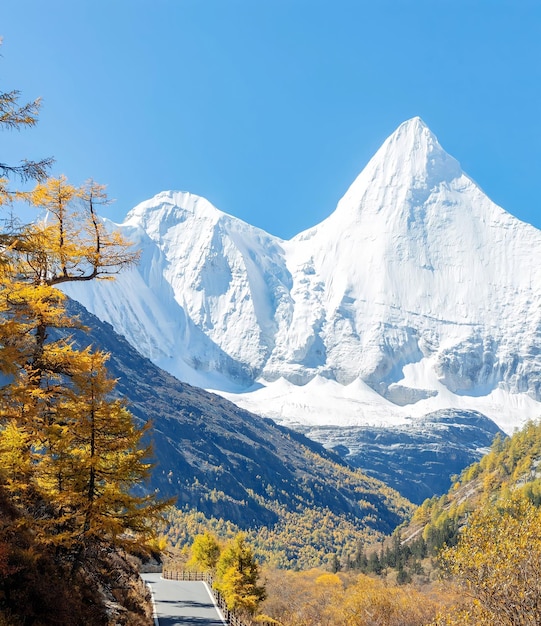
(270, 108)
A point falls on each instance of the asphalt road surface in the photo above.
(179, 603)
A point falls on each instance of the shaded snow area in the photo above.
(416, 294)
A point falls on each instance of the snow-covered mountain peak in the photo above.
(413, 154)
(409, 167)
(169, 209)
(417, 286)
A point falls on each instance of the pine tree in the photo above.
(15, 116)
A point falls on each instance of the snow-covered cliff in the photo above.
(416, 294)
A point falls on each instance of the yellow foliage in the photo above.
(329, 581)
(78, 450)
(205, 552)
(498, 563)
(313, 597)
(72, 242)
(15, 460)
(237, 576)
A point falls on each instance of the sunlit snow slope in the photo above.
(417, 293)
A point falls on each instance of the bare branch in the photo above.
(28, 170)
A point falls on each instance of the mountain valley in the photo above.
(229, 464)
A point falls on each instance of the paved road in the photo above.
(179, 603)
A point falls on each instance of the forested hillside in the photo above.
(223, 463)
(483, 537)
(509, 473)
(510, 470)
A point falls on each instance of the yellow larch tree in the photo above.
(237, 577)
(110, 460)
(70, 452)
(205, 552)
(497, 564)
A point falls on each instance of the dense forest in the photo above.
(305, 536)
(472, 556)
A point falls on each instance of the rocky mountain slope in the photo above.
(509, 470)
(416, 294)
(418, 458)
(225, 462)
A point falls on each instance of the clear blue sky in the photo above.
(270, 108)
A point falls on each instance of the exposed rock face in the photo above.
(417, 459)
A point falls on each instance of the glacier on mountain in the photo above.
(416, 294)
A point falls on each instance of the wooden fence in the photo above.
(231, 618)
(190, 576)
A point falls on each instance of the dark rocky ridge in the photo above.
(418, 458)
(225, 461)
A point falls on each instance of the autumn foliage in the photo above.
(497, 564)
(70, 451)
(327, 599)
(234, 568)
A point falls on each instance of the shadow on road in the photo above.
(189, 603)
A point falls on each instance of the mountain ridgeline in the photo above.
(416, 294)
(403, 331)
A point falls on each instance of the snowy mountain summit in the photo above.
(416, 294)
